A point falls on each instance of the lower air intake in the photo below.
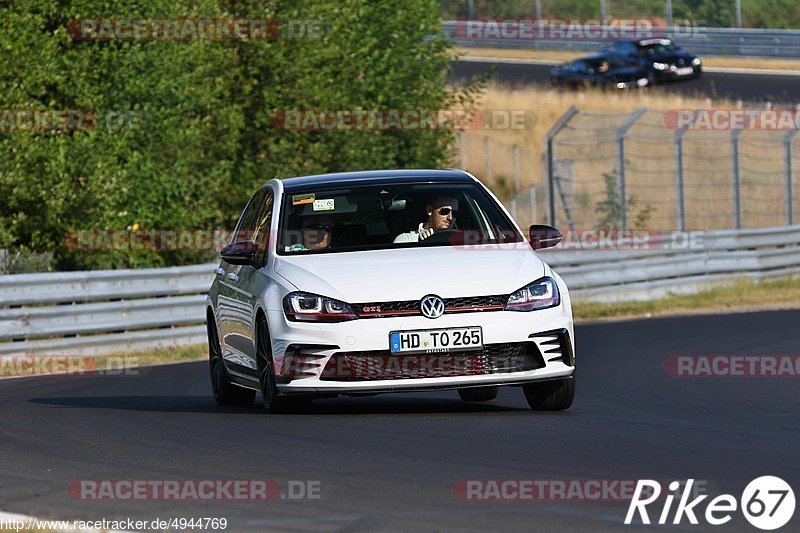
(382, 364)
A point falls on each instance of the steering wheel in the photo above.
(442, 236)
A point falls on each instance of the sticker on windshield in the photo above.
(300, 199)
(324, 205)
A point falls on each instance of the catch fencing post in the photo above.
(621, 132)
(787, 140)
(551, 135)
(461, 153)
(681, 207)
(737, 196)
(517, 179)
(488, 142)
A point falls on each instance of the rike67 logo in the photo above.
(767, 503)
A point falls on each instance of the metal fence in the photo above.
(700, 40)
(111, 311)
(506, 169)
(634, 169)
(19, 263)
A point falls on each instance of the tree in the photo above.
(204, 113)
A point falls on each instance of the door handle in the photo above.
(219, 271)
(233, 277)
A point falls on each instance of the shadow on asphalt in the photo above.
(342, 406)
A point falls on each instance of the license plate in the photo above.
(436, 340)
(685, 71)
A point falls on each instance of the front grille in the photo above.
(382, 364)
(476, 301)
(378, 309)
(411, 307)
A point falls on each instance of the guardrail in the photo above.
(117, 310)
(675, 267)
(101, 311)
(700, 40)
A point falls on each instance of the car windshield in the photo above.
(658, 48)
(370, 217)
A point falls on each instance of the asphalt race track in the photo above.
(391, 461)
(777, 88)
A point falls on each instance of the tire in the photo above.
(550, 395)
(273, 401)
(225, 392)
(478, 394)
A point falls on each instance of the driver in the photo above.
(441, 211)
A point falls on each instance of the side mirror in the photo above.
(544, 236)
(240, 253)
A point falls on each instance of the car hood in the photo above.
(672, 58)
(411, 273)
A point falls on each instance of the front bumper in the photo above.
(302, 350)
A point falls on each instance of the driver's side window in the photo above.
(245, 229)
(262, 233)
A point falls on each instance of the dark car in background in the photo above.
(665, 60)
(601, 71)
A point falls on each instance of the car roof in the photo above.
(377, 176)
(654, 40)
(648, 40)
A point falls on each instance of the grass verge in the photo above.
(556, 55)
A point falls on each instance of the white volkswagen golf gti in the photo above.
(387, 281)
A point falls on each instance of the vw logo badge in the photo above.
(431, 306)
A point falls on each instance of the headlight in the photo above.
(660, 66)
(540, 294)
(305, 307)
(696, 62)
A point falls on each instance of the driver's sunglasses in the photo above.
(444, 211)
(318, 227)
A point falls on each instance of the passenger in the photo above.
(316, 231)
